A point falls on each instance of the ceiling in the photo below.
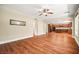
(60, 11)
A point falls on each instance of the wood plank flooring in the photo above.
(51, 43)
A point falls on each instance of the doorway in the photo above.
(60, 28)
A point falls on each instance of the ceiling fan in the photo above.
(45, 12)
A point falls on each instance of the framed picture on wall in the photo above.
(17, 22)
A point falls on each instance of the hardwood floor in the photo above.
(51, 43)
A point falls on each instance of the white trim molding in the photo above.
(15, 39)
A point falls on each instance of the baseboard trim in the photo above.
(76, 39)
(15, 39)
(20, 38)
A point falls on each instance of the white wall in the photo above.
(11, 32)
(76, 26)
(77, 29)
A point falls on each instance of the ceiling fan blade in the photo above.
(46, 15)
(44, 10)
(50, 12)
(40, 14)
(47, 9)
